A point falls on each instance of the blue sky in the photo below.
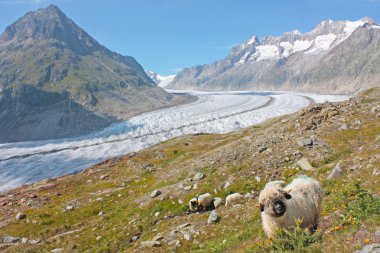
(167, 35)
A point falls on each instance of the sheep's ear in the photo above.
(287, 195)
(261, 208)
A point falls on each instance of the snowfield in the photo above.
(213, 112)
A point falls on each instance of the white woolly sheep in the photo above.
(234, 198)
(281, 206)
(201, 202)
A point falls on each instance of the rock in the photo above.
(101, 213)
(180, 201)
(34, 241)
(343, 127)
(199, 176)
(336, 172)
(376, 172)
(378, 115)
(304, 142)
(184, 225)
(249, 196)
(20, 216)
(187, 236)
(195, 186)
(187, 188)
(158, 237)
(213, 218)
(150, 244)
(57, 250)
(226, 184)
(11, 239)
(135, 238)
(98, 238)
(157, 214)
(258, 179)
(262, 149)
(24, 240)
(69, 208)
(374, 109)
(305, 165)
(155, 193)
(100, 199)
(371, 248)
(217, 202)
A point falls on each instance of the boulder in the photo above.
(305, 165)
(304, 142)
(20, 216)
(371, 248)
(262, 149)
(155, 193)
(199, 176)
(213, 218)
(336, 172)
(217, 202)
(11, 239)
(150, 244)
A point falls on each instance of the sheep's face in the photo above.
(273, 202)
(193, 204)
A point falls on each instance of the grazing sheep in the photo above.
(281, 206)
(234, 198)
(201, 202)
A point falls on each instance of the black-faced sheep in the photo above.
(281, 206)
(234, 198)
(201, 202)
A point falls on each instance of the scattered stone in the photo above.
(24, 240)
(376, 172)
(287, 159)
(11, 239)
(213, 218)
(101, 213)
(262, 149)
(135, 238)
(343, 127)
(158, 237)
(199, 176)
(258, 179)
(187, 236)
(226, 184)
(305, 165)
(20, 216)
(180, 201)
(304, 142)
(34, 241)
(184, 225)
(187, 188)
(336, 172)
(217, 202)
(100, 199)
(57, 250)
(195, 186)
(371, 248)
(150, 244)
(98, 238)
(155, 193)
(69, 208)
(249, 196)
(156, 214)
(374, 109)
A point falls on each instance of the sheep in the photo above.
(201, 202)
(281, 206)
(234, 198)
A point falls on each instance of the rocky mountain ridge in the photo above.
(160, 80)
(46, 55)
(335, 57)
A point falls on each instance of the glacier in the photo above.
(213, 112)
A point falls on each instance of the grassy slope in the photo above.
(125, 184)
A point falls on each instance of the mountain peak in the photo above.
(45, 23)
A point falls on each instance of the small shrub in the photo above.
(296, 239)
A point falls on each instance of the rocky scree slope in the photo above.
(138, 202)
(335, 57)
(58, 81)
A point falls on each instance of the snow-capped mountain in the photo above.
(161, 81)
(334, 57)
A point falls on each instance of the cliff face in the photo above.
(54, 76)
(335, 57)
